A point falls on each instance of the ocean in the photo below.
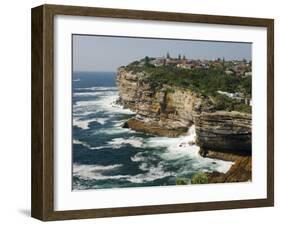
(105, 155)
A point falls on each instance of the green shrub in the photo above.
(243, 108)
(206, 81)
(169, 90)
(181, 181)
(199, 178)
(222, 102)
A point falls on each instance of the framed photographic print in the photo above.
(141, 112)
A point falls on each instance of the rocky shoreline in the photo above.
(152, 127)
(170, 111)
(240, 171)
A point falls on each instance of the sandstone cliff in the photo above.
(224, 132)
(166, 108)
(169, 111)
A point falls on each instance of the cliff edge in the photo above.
(165, 109)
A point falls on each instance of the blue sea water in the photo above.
(105, 155)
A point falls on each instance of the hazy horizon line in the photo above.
(171, 57)
(94, 71)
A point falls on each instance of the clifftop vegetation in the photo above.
(208, 81)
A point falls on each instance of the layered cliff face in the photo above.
(224, 132)
(170, 111)
(167, 108)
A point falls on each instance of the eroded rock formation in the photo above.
(164, 107)
(170, 111)
(224, 131)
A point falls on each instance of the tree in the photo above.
(146, 61)
(181, 181)
(168, 55)
(184, 58)
(179, 57)
(199, 178)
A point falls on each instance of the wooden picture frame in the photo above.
(42, 203)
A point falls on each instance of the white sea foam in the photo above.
(82, 143)
(113, 88)
(87, 145)
(180, 150)
(76, 80)
(96, 172)
(78, 114)
(113, 131)
(143, 166)
(213, 165)
(84, 94)
(81, 124)
(153, 173)
(84, 123)
(119, 142)
(173, 150)
(104, 103)
(138, 157)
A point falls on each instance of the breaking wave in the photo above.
(84, 124)
(136, 142)
(122, 157)
(85, 144)
(181, 151)
(97, 172)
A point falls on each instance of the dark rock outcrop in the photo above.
(225, 132)
(152, 128)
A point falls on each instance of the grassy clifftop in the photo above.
(211, 82)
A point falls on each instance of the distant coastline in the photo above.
(91, 72)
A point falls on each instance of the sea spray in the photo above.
(106, 155)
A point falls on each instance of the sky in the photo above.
(107, 53)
